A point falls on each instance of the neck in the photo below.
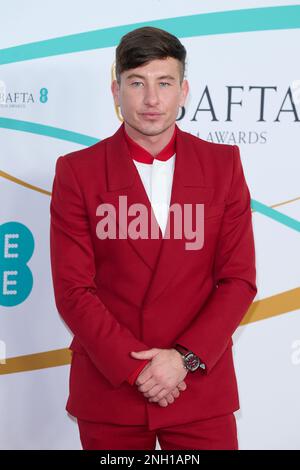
(152, 143)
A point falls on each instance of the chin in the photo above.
(154, 128)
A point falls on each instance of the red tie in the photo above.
(142, 155)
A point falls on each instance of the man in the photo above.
(152, 315)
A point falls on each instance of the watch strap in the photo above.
(184, 351)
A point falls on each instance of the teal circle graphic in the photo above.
(16, 249)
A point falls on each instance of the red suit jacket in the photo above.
(121, 295)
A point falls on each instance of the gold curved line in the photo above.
(114, 77)
(277, 304)
(41, 190)
(260, 310)
(23, 183)
(43, 360)
(285, 202)
(281, 203)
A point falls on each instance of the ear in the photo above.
(115, 92)
(184, 92)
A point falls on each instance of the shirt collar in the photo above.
(142, 155)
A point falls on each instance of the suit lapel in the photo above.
(164, 256)
(124, 180)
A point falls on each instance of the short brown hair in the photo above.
(142, 45)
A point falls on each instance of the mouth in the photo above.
(151, 115)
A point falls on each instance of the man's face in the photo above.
(150, 95)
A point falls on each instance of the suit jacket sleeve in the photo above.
(132, 378)
(107, 342)
(234, 274)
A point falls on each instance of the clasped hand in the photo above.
(162, 379)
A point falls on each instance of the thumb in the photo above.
(148, 354)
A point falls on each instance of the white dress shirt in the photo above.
(157, 178)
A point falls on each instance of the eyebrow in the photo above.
(162, 77)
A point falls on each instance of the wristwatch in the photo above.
(190, 361)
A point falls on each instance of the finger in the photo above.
(175, 393)
(147, 386)
(158, 395)
(182, 386)
(154, 391)
(163, 402)
(161, 394)
(170, 398)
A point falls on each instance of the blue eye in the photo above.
(135, 84)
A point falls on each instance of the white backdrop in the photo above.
(55, 98)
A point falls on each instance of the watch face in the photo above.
(192, 361)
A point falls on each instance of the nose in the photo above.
(151, 96)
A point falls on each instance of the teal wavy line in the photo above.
(275, 215)
(232, 21)
(49, 131)
(87, 140)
